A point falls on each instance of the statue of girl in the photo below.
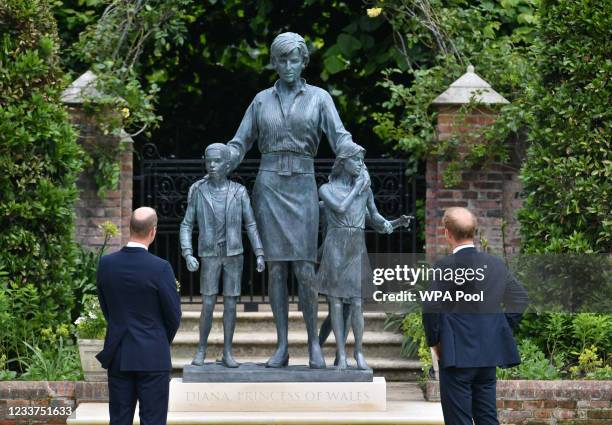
(344, 266)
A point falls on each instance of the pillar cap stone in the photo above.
(470, 88)
(80, 89)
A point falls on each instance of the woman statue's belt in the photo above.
(286, 163)
(340, 226)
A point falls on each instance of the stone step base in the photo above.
(397, 413)
(376, 344)
(263, 321)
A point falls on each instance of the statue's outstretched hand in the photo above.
(261, 264)
(192, 263)
(405, 220)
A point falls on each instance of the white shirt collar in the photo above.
(131, 244)
(460, 247)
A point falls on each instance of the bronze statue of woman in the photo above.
(287, 121)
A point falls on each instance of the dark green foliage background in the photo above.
(207, 81)
(39, 158)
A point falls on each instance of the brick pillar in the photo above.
(116, 206)
(491, 193)
(126, 187)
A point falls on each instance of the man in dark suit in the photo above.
(141, 304)
(471, 338)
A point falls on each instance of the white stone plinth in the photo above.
(277, 396)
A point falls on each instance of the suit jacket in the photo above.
(476, 334)
(139, 299)
(237, 210)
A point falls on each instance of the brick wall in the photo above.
(16, 395)
(116, 206)
(492, 192)
(548, 402)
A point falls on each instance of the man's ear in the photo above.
(448, 236)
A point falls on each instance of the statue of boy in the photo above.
(219, 206)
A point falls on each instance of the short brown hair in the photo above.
(141, 227)
(458, 228)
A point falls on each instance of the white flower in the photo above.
(79, 321)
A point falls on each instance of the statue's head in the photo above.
(354, 164)
(289, 56)
(217, 157)
(349, 160)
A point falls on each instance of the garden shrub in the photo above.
(567, 175)
(59, 363)
(40, 160)
(567, 172)
(578, 344)
(534, 364)
(91, 324)
(552, 346)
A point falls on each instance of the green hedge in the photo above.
(567, 176)
(568, 171)
(40, 162)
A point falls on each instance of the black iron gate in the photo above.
(163, 183)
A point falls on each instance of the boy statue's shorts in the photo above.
(210, 274)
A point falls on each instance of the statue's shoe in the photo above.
(198, 359)
(279, 359)
(228, 361)
(316, 359)
(361, 361)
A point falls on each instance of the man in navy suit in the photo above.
(471, 338)
(141, 304)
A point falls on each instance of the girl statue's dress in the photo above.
(344, 264)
